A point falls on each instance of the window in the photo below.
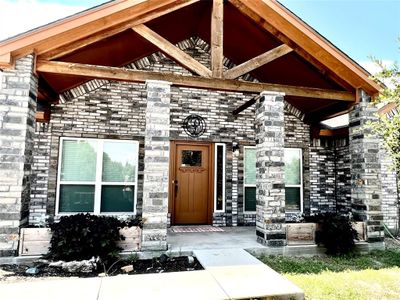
(191, 158)
(293, 179)
(98, 176)
(249, 193)
(219, 186)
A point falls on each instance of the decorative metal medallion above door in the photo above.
(194, 125)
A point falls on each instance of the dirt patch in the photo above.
(17, 273)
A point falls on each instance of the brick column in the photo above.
(366, 190)
(270, 183)
(18, 92)
(156, 166)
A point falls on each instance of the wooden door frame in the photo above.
(172, 172)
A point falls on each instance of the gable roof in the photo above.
(103, 36)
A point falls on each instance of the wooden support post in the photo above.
(217, 37)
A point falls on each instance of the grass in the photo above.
(353, 277)
(313, 265)
(350, 285)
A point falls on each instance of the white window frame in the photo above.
(98, 183)
(300, 151)
(244, 180)
(216, 145)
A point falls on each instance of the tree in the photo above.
(389, 125)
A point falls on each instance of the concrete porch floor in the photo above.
(231, 237)
(245, 238)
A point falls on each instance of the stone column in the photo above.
(270, 176)
(18, 91)
(156, 166)
(366, 190)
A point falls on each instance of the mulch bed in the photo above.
(156, 265)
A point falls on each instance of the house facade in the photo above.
(187, 112)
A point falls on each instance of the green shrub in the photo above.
(335, 232)
(82, 236)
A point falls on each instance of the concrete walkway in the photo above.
(242, 276)
(228, 274)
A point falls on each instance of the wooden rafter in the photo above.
(81, 43)
(47, 92)
(257, 61)
(245, 105)
(171, 50)
(319, 108)
(330, 116)
(112, 73)
(86, 24)
(299, 51)
(271, 14)
(5, 60)
(317, 132)
(217, 38)
(326, 114)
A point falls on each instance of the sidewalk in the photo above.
(228, 274)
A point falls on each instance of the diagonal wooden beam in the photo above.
(245, 105)
(112, 73)
(81, 43)
(257, 61)
(241, 5)
(217, 38)
(171, 50)
(47, 92)
(86, 27)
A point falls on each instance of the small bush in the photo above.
(335, 232)
(82, 236)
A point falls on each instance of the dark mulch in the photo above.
(155, 265)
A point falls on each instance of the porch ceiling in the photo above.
(243, 39)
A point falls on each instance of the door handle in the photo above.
(175, 183)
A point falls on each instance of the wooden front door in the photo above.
(191, 183)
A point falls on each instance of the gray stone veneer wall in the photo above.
(270, 174)
(366, 189)
(343, 176)
(390, 196)
(330, 176)
(156, 166)
(40, 174)
(18, 91)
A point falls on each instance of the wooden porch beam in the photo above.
(89, 23)
(272, 14)
(47, 92)
(119, 74)
(217, 38)
(171, 50)
(5, 61)
(298, 50)
(257, 61)
(83, 42)
(317, 132)
(245, 105)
